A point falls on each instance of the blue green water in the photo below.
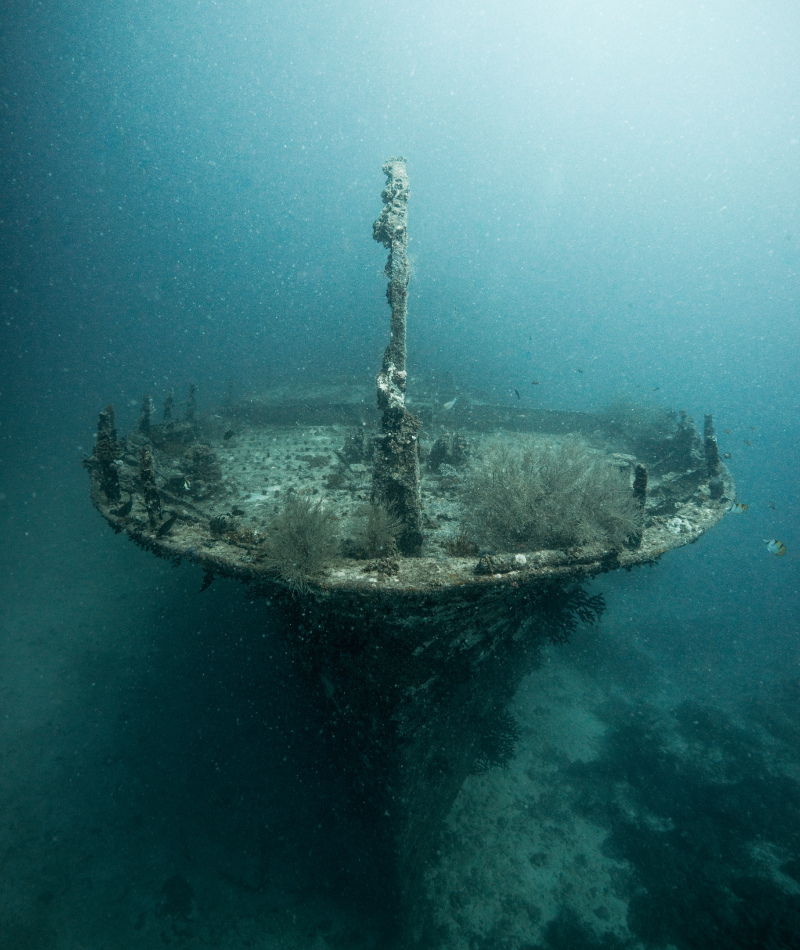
(604, 200)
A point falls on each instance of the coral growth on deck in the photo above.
(542, 493)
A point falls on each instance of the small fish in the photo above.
(778, 548)
(534, 382)
(747, 442)
(187, 485)
(579, 371)
(726, 455)
(772, 506)
(656, 389)
(516, 391)
(207, 580)
(229, 434)
(737, 508)
(167, 526)
(727, 431)
(449, 405)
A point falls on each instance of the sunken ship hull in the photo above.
(415, 658)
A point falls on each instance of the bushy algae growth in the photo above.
(538, 493)
(301, 541)
(378, 532)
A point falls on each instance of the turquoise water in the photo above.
(604, 200)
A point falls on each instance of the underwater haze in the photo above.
(605, 208)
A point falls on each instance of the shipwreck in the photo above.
(420, 557)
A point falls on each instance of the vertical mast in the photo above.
(395, 478)
(391, 230)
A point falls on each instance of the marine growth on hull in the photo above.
(281, 488)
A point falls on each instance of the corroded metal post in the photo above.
(147, 476)
(106, 452)
(395, 478)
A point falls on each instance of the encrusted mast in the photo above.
(391, 230)
(395, 478)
